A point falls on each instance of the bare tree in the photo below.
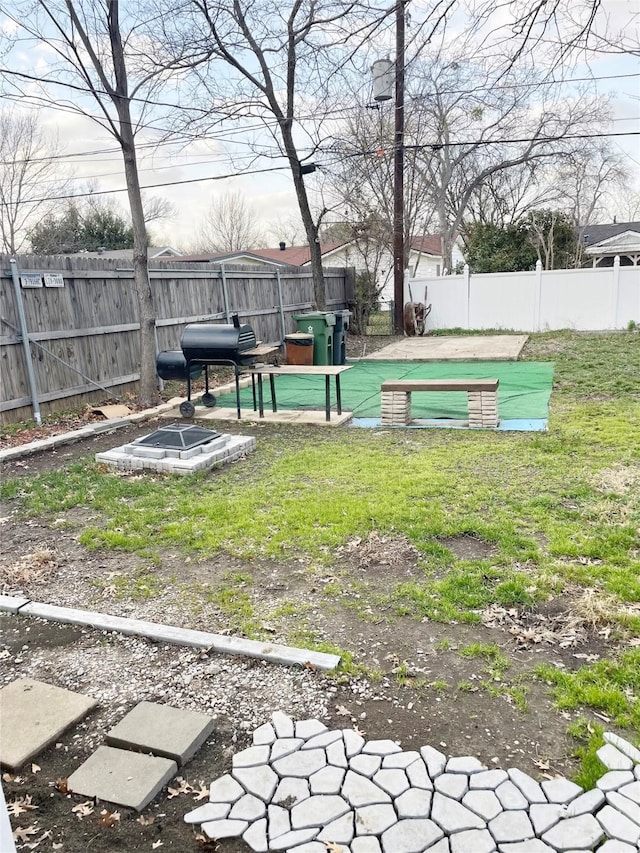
(360, 180)
(506, 196)
(29, 174)
(98, 61)
(555, 32)
(286, 229)
(482, 129)
(157, 209)
(230, 225)
(278, 62)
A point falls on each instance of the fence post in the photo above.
(155, 338)
(467, 281)
(280, 306)
(615, 292)
(537, 296)
(24, 334)
(225, 293)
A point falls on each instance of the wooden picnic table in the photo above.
(272, 371)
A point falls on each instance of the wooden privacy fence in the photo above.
(69, 326)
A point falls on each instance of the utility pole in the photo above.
(398, 177)
(382, 92)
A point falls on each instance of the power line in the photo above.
(484, 142)
(150, 186)
(149, 102)
(265, 122)
(433, 145)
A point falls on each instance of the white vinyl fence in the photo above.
(585, 299)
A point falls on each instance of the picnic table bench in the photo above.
(482, 395)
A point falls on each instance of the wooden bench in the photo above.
(482, 395)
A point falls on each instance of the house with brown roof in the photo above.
(425, 258)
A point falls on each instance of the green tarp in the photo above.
(524, 391)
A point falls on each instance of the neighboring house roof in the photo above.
(220, 257)
(620, 244)
(295, 256)
(290, 256)
(596, 234)
(428, 244)
(162, 251)
(299, 256)
(127, 254)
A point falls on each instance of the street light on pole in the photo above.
(382, 92)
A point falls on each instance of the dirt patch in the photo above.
(420, 688)
(469, 547)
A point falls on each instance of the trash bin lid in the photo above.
(328, 316)
(299, 337)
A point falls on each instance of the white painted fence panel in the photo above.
(509, 298)
(584, 299)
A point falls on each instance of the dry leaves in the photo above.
(109, 818)
(61, 785)
(20, 805)
(379, 550)
(35, 768)
(145, 821)
(201, 793)
(565, 630)
(207, 844)
(333, 847)
(35, 567)
(183, 788)
(341, 711)
(156, 844)
(83, 809)
(22, 834)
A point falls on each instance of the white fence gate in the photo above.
(585, 299)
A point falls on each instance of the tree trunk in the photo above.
(310, 226)
(148, 391)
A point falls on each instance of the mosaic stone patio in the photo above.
(304, 788)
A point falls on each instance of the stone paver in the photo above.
(617, 825)
(613, 759)
(528, 786)
(624, 746)
(169, 732)
(614, 779)
(582, 832)
(33, 715)
(122, 777)
(478, 840)
(334, 789)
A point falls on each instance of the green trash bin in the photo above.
(319, 324)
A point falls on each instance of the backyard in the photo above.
(482, 588)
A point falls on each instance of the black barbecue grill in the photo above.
(210, 343)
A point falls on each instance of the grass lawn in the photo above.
(557, 513)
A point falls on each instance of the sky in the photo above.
(89, 152)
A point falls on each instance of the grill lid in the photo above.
(178, 437)
(213, 341)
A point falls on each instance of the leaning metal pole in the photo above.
(398, 177)
(24, 334)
